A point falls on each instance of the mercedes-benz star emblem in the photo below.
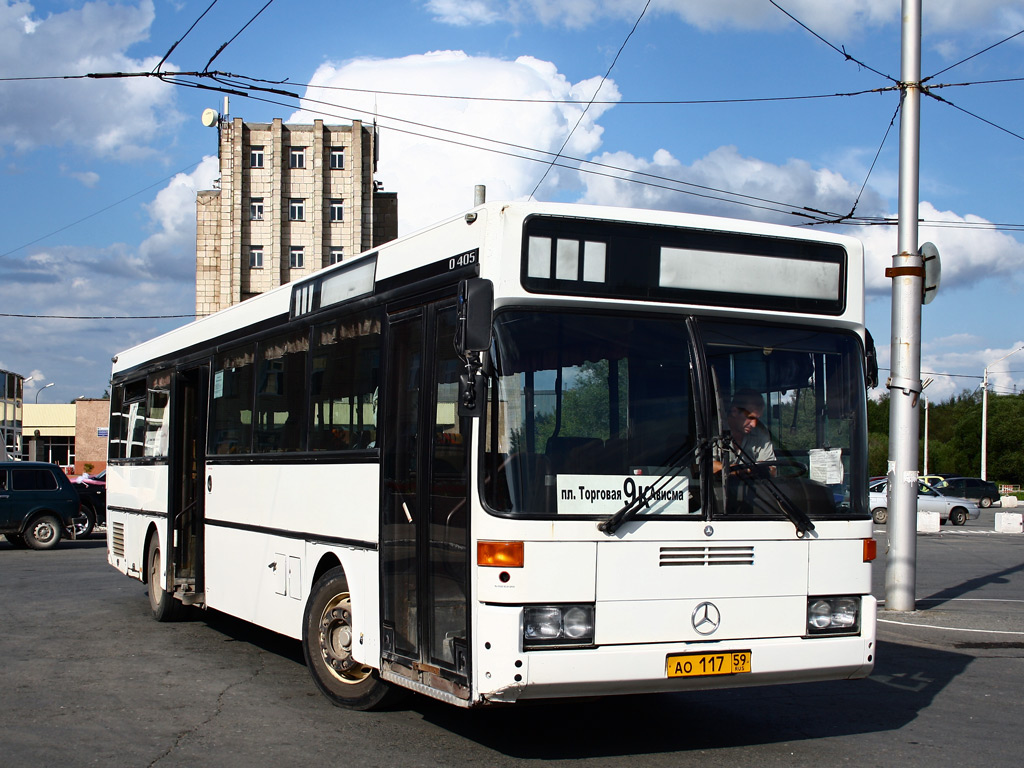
(706, 618)
(709, 531)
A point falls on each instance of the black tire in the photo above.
(985, 502)
(958, 516)
(81, 529)
(161, 602)
(16, 540)
(43, 532)
(327, 645)
(880, 515)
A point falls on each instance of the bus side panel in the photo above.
(338, 501)
(136, 501)
(268, 528)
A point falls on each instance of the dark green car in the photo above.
(37, 504)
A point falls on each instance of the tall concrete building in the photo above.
(292, 199)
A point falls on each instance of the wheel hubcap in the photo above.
(43, 532)
(336, 640)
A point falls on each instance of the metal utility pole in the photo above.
(907, 273)
(984, 414)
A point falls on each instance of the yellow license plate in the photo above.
(701, 664)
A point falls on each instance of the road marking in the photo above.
(951, 629)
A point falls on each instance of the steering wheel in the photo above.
(798, 468)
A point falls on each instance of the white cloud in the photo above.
(156, 278)
(435, 178)
(112, 118)
(763, 191)
(171, 249)
(463, 13)
(87, 178)
(968, 256)
(826, 18)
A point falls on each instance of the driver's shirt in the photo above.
(757, 444)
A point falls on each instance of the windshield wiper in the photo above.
(675, 464)
(796, 516)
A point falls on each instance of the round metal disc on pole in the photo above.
(932, 272)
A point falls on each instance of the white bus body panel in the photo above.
(265, 576)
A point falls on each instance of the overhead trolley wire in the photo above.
(591, 102)
(239, 32)
(841, 51)
(973, 55)
(180, 39)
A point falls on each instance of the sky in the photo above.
(742, 108)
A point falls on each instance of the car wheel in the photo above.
(985, 502)
(43, 532)
(958, 516)
(327, 638)
(163, 604)
(880, 515)
(16, 540)
(82, 528)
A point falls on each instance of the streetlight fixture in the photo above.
(41, 390)
(984, 413)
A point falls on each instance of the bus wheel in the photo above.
(327, 639)
(43, 532)
(162, 603)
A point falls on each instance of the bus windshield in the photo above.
(588, 412)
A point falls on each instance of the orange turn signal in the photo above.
(870, 550)
(500, 554)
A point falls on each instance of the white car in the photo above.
(952, 508)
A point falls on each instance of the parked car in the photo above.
(92, 492)
(37, 504)
(938, 477)
(985, 492)
(951, 508)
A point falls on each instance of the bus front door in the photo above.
(424, 552)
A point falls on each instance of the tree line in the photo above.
(954, 436)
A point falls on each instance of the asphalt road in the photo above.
(90, 679)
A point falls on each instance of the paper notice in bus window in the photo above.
(607, 494)
(218, 384)
(826, 466)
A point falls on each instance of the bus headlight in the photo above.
(833, 615)
(558, 626)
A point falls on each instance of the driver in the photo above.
(746, 429)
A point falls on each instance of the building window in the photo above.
(255, 157)
(337, 158)
(256, 209)
(337, 255)
(296, 259)
(256, 257)
(297, 157)
(337, 210)
(296, 209)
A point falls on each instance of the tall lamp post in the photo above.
(984, 414)
(41, 390)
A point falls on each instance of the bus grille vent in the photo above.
(707, 555)
(117, 539)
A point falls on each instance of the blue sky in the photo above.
(100, 175)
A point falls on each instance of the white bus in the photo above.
(483, 462)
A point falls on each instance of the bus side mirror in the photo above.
(870, 360)
(476, 302)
